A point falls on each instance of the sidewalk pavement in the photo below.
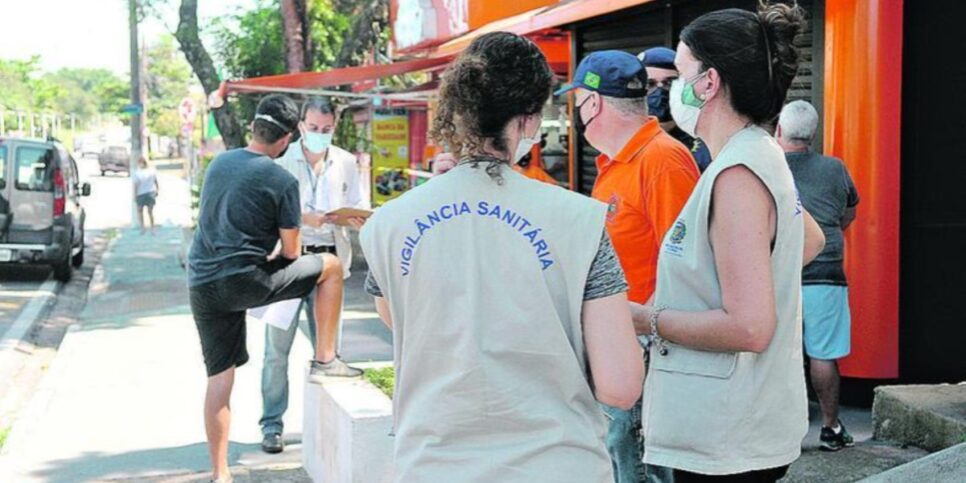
(123, 399)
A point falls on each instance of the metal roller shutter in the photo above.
(660, 23)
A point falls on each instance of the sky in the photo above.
(87, 33)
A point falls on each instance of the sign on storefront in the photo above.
(424, 21)
(390, 155)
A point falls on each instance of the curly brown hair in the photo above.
(500, 76)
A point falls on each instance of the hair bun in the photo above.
(782, 22)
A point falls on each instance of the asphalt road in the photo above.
(108, 207)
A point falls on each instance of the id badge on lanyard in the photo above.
(311, 204)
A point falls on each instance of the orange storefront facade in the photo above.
(860, 58)
(853, 71)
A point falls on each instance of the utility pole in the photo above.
(135, 100)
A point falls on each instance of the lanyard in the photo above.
(314, 183)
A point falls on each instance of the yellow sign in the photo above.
(390, 155)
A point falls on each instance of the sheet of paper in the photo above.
(280, 314)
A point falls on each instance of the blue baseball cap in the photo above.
(661, 57)
(611, 73)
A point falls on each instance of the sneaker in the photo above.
(833, 440)
(272, 443)
(333, 368)
(223, 479)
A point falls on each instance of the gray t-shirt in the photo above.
(826, 191)
(606, 277)
(245, 200)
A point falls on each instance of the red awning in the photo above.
(531, 22)
(330, 78)
(539, 19)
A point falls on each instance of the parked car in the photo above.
(41, 217)
(87, 146)
(115, 159)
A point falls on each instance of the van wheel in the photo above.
(64, 270)
(78, 260)
(103, 173)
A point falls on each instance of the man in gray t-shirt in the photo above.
(828, 193)
(247, 253)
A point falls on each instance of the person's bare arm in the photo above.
(814, 238)
(615, 357)
(291, 243)
(382, 308)
(313, 219)
(743, 223)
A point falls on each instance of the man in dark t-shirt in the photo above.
(247, 253)
(828, 193)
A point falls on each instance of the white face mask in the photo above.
(525, 145)
(316, 142)
(685, 106)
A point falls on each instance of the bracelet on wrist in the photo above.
(658, 341)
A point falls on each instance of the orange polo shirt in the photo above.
(535, 169)
(645, 186)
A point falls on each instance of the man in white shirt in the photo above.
(328, 179)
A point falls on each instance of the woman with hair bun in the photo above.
(725, 399)
(507, 303)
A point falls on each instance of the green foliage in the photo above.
(384, 379)
(349, 136)
(3, 436)
(167, 81)
(83, 92)
(251, 43)
(90, 91)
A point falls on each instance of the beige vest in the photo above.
(723, 413)
(485, 284)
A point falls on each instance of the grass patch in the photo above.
(3, 435)
(384, 379)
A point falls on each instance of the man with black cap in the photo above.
(659, 64)
(646, 177)
(246, 253)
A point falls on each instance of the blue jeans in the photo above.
(625, 444)
(278, 345)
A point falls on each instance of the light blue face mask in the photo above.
(316, 142)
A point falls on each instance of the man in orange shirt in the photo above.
(531, 165)
(646, 177)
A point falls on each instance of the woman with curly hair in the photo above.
(507, 303)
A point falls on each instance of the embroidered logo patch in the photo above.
(673, 244)
(592, 80)
(612, 207)
(678, 233)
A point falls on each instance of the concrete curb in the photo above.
(28, 417)
(927, 416)
(948, 465)
(35, 310)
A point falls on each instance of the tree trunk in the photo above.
(294, 32)
(369, 20)
(204, 69)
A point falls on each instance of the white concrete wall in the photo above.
(345, 432)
